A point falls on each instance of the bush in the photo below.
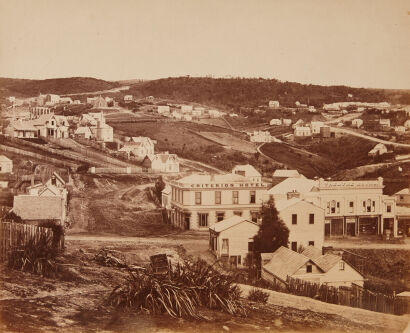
(37, 256)
(180, 292)
(258, 295)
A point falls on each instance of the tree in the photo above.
(273, 232)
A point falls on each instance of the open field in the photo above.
(230, 141)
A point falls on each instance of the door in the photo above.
(351, 229)
(187, 222)
(327, 229)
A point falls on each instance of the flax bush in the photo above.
(187, 286)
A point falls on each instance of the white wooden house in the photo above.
(302, 131)
(163, 162)
(377, 150)
(232, 239)
(276, 122)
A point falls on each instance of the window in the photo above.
(364, 206)
(341, 266)
(254, 216)
(225, 246)
(217, 197)
(198, 198)
(237, 213)
(373, 206)
(203, 220)
(253, 197)
(351, 206)
(308, 268)
(311, 218)
(311, 243)
(250, 246)
(333, 207)
(53, 181)
(235, 197)
(294, 218)
(328, 207)
(338, 207)
(220, 216)
(388, 208)
(368, 205)
(294, 246)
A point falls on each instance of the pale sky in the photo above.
(362, 43)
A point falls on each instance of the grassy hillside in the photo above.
(237, 92)
(20, 87)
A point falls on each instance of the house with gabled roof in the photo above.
(163, 162)
(284, 173)
(232, 239)
(329, 269)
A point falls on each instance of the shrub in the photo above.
(258, 295)
(37, 256)
(180, 292)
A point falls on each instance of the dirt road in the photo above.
(113, 90)
(390, 323)
(351, 132)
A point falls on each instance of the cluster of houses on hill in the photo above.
(142, 149)
(188, 112)
(92, 125)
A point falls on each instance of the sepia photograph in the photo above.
(213, 166)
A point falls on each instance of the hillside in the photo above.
(26, 88)
(243, 92)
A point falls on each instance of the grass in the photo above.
(258, 295)
(187, 286)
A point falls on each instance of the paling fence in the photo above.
(13, 235)
(354, 296)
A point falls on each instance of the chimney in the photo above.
(293, 194)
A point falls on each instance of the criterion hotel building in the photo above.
(199, 201)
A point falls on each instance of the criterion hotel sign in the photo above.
(228, 185)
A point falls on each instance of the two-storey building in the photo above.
(199, 201)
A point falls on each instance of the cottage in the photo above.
(186, 108)
(328, 269)
(357, 123)
(21, 129)
(83, 132)
(316, 126)
(400, 129)
(66, 100)
(128, 98)
(6, 164)
(384, 122)
(176, 115)
(197, 113)
(99, 103)
(377, 150)
(137, 149)
(407, 124)
(277, 122)
(215, 113)
(312, 109)
(273, 104)
(302, 131)
(232, 239)
(287, 122)
(261, 136)
(147, 143)
(187, 117)
(403, 197)
(162, 109)
(52, 99)
(164, 162)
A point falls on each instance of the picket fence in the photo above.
(354, 296)
(14, 234)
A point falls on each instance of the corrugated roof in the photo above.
(206, 179)
(285, 262)
(327, 261)
(32, 207)
(312, 252)
(228, 223)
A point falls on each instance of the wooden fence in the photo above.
(354, 296)
(14, 234)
